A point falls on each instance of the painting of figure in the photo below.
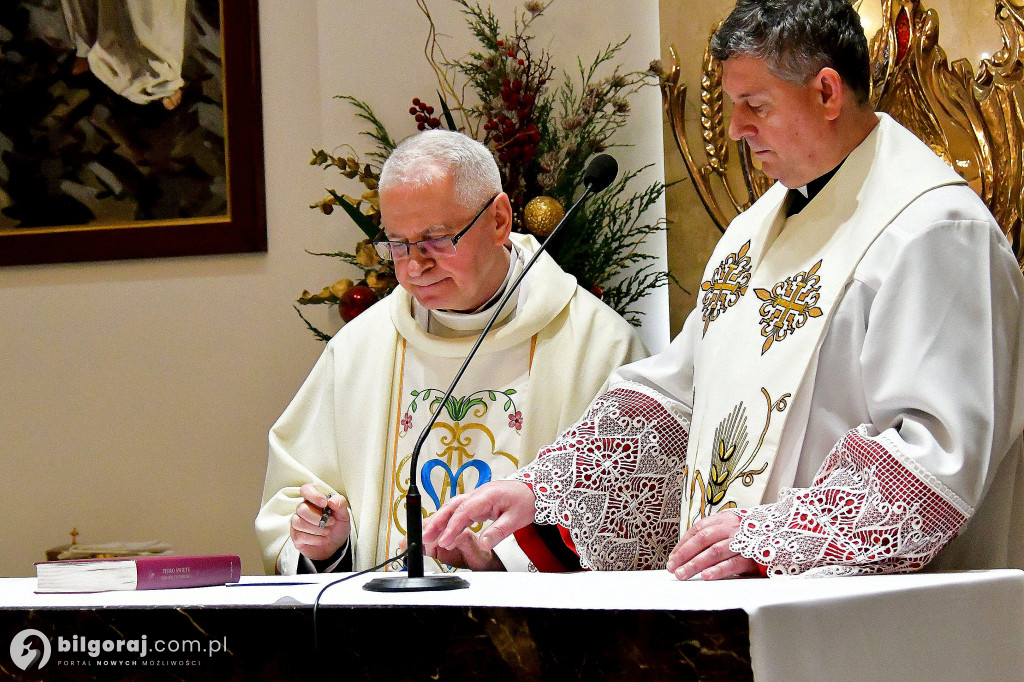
(134, 47)
(113, 114)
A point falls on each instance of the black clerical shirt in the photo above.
(797, 197)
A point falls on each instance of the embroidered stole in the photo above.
(769, 292)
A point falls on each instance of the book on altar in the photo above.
(136, 573)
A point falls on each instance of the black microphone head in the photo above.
(600, 173)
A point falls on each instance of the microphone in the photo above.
(600, 173)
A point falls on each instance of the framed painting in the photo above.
(129, 129)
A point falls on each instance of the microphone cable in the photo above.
(316, 602)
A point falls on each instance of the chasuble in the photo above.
(352, 425)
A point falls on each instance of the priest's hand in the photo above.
(310, 539)
(704, 549)
(466, 552)
(510, 504)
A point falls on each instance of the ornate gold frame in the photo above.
(973, 121)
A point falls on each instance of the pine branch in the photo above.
(622, 295)
(385, 145)
(316, 332)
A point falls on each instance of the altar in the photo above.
(620, 626)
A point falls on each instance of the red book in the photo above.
(136, 573)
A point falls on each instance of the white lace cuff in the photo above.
(614, 480)
(866, 512)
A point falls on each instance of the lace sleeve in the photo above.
(613, 481)
(867, 511)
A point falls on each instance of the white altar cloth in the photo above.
(929, 626)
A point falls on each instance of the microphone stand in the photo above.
(415, 580)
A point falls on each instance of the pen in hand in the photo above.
(326, 513)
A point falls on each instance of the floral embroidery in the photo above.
(516, 421)
(406, 422)
(458, 408)
(727, 285)
(789, 305)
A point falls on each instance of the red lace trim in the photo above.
(540, 556)
(864, 513)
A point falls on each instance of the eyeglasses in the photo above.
(438, 246)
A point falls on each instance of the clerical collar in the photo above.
(801, 196)
(452, 324)
(513, 257)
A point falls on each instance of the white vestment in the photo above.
(351, 427)
(135, 47)
(903, 431)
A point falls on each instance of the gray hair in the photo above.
(798, 38)
(433, 155)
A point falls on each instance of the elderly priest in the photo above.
(345, 441)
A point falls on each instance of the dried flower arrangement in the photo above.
(542, 133)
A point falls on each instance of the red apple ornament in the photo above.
(356, 300)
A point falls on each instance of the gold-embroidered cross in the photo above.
(789, 305)
(725, 287)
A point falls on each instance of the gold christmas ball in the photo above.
(541, 215)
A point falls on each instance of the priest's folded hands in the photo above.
(315, 540)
